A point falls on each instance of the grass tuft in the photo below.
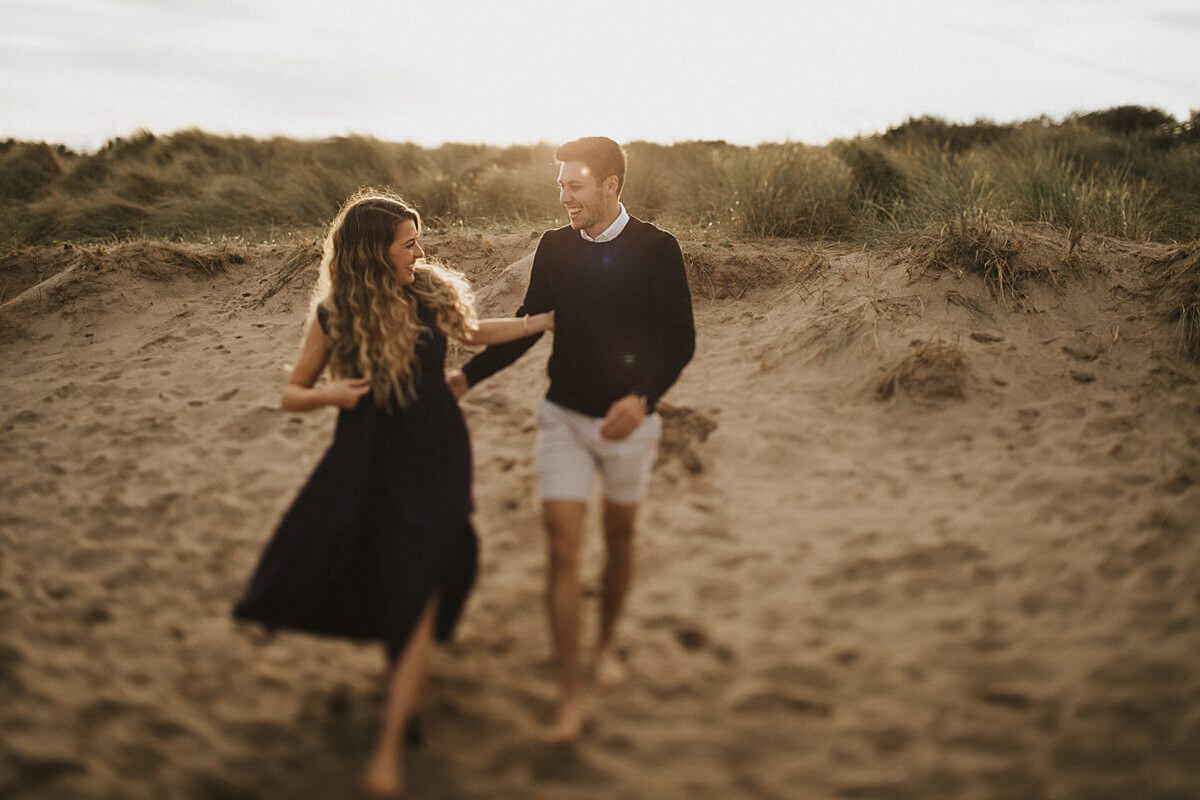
(972, 244)
(837, 332)
(303, 256)
(972, 304)
(1178, 285)
(933, 371)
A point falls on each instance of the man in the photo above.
(623, 331)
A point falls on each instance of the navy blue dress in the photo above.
(382, 523)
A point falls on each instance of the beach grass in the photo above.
(1130, 172)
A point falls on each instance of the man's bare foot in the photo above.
(414, 733)
(610, 671)
(383, 777)
(569, 725)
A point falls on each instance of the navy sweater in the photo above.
(622, 317)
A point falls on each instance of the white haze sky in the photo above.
(82, 71)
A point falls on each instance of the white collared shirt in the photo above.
(612, 231)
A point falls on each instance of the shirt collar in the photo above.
(612, 231)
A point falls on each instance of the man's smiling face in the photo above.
(581, 194)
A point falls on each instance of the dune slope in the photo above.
(910, 536)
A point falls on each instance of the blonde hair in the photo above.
(372, 320)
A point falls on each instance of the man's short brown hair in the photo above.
(602, 155)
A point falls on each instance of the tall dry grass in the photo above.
(1129, 171)
(1176, 279)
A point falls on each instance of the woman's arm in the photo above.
(299, 393)
(507, 329)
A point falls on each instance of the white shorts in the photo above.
(571, 451)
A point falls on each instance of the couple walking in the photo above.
(378, 544)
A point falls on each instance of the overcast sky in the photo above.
(82, 71)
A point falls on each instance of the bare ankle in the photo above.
(609, 669)
(384, 775)
(569, 723)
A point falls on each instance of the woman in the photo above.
(378, 544)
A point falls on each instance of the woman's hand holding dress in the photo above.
(346, 392)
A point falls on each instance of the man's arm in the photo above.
(672, 300)
(672, 307)
(538, 298)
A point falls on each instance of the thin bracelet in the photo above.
(526, 325)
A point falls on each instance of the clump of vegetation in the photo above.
(875, 181)
(683, 428)
(1177, 282)
(838, 331)
(719, 273)
(933, 371)
(956, 138)
(163, 260)
(1062, 183)
(1127, 120)
(973, 305)
(299, 258)
(973, 244)
(26, 167)
(789, 190)
(684, 181)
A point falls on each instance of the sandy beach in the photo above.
(907, 538)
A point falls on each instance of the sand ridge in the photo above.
(987, 591)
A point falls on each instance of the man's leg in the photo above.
(564, 533)
(615, 581)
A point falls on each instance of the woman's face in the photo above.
(404, 251)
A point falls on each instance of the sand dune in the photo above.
(905, 539)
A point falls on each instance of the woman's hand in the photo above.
(346, 392)
(540, 323)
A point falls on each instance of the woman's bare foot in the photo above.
(569, 725)
(383, 777)
(610, 671)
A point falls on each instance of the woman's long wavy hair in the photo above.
(371, 316)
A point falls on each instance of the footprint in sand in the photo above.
(252, 425)
(1110, 424)
(29, 772)
(887, 740)
(782, 702)
(691, 637)
(25, 417)
(720, 592)
(938, 557)
(867, 598)
(1028, 418)
(802, 677)
(162, 341)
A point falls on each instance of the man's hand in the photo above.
(457, 383)
(623, 417)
